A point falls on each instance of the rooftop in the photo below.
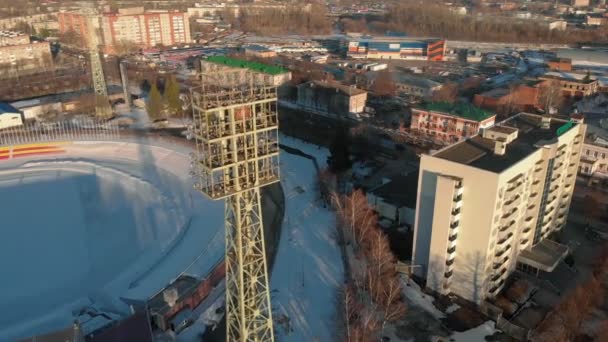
(400, 190)
(478, 151)
(7, 108)
(334, 85)
(253, 66)
(545, 255)
(463, 110)
(569, 76)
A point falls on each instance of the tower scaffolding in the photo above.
(102, 104)
(236, 131)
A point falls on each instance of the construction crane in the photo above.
(102, 103)
(237, 152)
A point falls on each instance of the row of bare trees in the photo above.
(371, 297)
(291, 20)
(437, 20)
(565, 322)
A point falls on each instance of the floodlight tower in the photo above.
(102, 106)
(236, 132)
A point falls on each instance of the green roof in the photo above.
(464, 110)
(253, 66)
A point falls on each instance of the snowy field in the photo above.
(308, 269)
(100, 222)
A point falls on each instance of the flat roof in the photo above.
(463, 110)
(400, 191)
(333, 85)
(545, 255)
(241, 63)
(478, 151)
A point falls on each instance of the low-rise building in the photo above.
(9, 116)
(366, 47)
(559, 25)
(450, 122)
(520, 98)
(331, 98)
(597, 20)
(415, 86)
(395, 199)
(579, 3)
(13, 38)
(594, 157)
(259, 51)
(487, 205)
(572, 85)
(560, 64)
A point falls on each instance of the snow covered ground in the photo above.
(102, 221)
(308, 269)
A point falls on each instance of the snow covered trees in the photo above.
(372, 296)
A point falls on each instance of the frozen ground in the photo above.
(308, 269)
(100, 222)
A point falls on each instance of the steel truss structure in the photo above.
(102, 104)
(236, 132)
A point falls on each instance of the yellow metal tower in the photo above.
(236, 132)
(102, 104)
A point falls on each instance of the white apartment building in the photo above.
(486, 205)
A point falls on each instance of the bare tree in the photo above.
(447, 93)
(550, 95)
(383, 84)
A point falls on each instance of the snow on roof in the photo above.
(26, 103)
(476, 334)
(6, 108)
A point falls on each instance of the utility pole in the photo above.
(236, 131)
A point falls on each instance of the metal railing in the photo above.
(66, 130)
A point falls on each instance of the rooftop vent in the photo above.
(500, 148)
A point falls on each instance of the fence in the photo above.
(66, 130)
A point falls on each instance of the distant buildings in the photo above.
(520, 98)
(487, 205)
(367, 47)
(17, 50)
(330, 98)
(450, 122)
(259, 51)
(572, 85)
(9, 116)
(580, 3)
(559, 25)
(597, 20)
(560, 64)
(132, 26)
(409, 85)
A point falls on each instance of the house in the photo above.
(9, 116)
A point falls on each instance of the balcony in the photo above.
(508, 214)
(505, 239)
(527, 230)
(448, 274)
(502, 252)
(458, 198)
(533, 195)
(455, 224)
(538, 169)
(506, 226)
(524, 241)
(456, 212)
(515, 186)
(499, 275)
(453, 237)
(451, 249)
(499, 263)
(449, 262)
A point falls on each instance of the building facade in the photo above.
(331, 98)
(263, 74)
(487, 205)
(560, 64)
(594, 158)
(132, 26)
(572, 85)
(521, 98)
(431, 49)
(450, 122)
(9, 116)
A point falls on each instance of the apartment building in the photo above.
(486, 205)
(331, 98)
(450, 122)
(262, 73)
(17, 52)
(133, 25)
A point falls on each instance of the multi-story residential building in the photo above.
(594, 158)
(431, 49)
(450, 122)
(13, 38)
(132, 25)
(572, 85)
(486, 205)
